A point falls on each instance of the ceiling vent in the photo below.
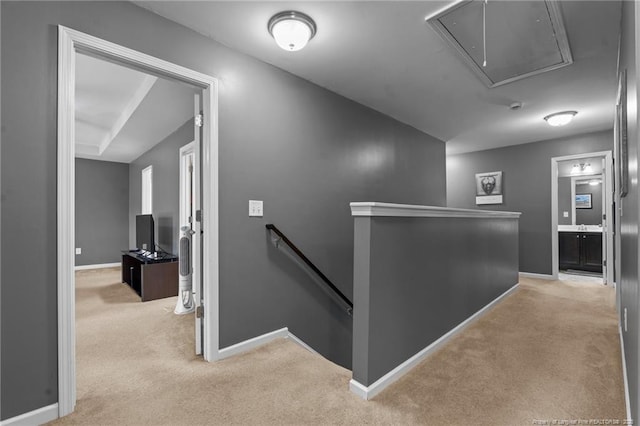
(514, 39)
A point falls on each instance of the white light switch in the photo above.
(78, 250)
(255, 208)
(565, 214)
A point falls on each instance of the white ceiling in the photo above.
(382, 54)
(122, 113)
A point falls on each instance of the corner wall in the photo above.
(305, 151)
(526, 187)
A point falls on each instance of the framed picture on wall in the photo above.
(583, 201)
(622, 154)
(489, 188)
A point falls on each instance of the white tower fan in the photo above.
(185, 303)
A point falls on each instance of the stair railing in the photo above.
(330, 286)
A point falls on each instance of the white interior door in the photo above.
(197, 224)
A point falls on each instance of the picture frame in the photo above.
(621, 136)
(583, 201)
(489, 188)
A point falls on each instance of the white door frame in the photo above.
(607, 208)
(70, 42)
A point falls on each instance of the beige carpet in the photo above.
(549, 351)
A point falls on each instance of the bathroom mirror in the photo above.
(587, 201)
(580, 200)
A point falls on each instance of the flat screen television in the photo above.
(145, 232)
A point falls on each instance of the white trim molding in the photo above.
(374, 208)
(253, 343)
(98, 266)
(247, 345)
(300, 342)
(368, 392)
(608, 230)
(627, 401)
(66, 224)
(537, 276)
(70, 43)
(36, 417)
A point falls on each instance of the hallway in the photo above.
(549, 351)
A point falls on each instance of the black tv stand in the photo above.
(150, 277)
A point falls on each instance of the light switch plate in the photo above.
(255, 208)
(78, 250)
(565, 214)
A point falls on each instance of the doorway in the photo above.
(70, 43)
(582, 211)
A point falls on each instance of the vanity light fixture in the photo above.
(291, 30)
(560, 118)
(594, 182)
(581, 169)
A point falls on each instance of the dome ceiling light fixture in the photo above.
(560, 118)
(291, 30)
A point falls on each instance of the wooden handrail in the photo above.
(313, 267)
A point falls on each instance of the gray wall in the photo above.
(526, 187)
(628, 230)
(102, 211)
(303, 150)
(165, 160)
(592, 216)
(564, 200)
(410, 288)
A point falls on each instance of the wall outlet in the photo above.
(565, 214)
(625, 319)
(255, 208)
(78, 250)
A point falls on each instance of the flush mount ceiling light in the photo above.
(291, 30)
(560, 118)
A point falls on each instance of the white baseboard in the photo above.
(368, 392)
(97, 266)
(35, 417)
(300, 342)
(247, 345)
(627, 402)
(538, 276)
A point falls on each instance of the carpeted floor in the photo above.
(549, 352)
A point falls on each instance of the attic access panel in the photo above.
(523, 38)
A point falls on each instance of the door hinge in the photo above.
(604, 263)
(198, 120)
(198, 215)
(200, 311)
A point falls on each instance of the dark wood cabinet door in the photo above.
(591, 252)
(569, 250)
